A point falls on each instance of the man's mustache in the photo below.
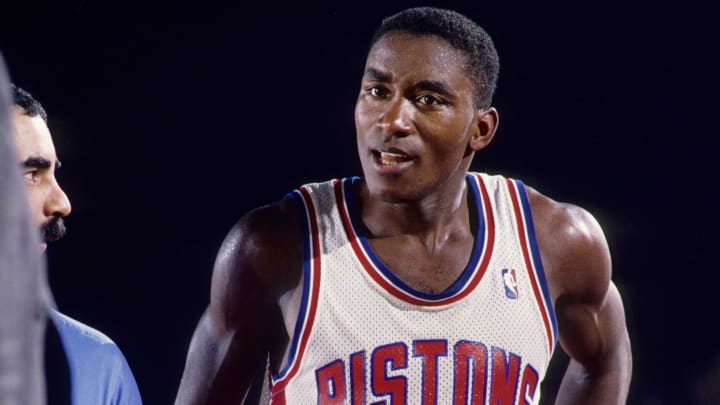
(53, 229)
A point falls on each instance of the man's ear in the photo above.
(487, 123)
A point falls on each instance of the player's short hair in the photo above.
(30, 106)
(463, 34)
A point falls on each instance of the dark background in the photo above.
(172, 121)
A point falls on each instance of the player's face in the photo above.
(35, 149)
(417, 126)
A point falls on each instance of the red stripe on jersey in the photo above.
(522, 234)
(278, 388)
(375, 274)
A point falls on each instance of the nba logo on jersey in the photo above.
(511, 286)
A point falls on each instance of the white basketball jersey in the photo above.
(363, 336)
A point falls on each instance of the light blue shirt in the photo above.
(99, 373)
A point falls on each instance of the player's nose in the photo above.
(397, 118)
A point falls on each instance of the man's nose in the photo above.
(57, 203)
(397, 119)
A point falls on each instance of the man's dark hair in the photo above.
(463, 34)
(29, 105)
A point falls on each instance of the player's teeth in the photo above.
(391, 158)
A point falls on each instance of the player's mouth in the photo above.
(392, 161)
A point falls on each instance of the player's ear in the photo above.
(487, 123)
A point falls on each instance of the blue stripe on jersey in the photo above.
(304, 215)
(535, 252)
(466, 274)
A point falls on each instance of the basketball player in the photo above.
(99, 373)
(421, 282)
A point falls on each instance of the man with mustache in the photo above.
(99, 373)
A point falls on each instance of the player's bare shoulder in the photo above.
(263, 249)
(257, 262)
(574, 251)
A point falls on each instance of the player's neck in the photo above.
(432, 217)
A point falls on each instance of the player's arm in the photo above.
(589, 309)
(256, 264)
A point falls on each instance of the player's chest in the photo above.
(427, 270)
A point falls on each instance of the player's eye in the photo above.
(377, 91)
(428, 99)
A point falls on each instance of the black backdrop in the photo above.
(172, 121)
